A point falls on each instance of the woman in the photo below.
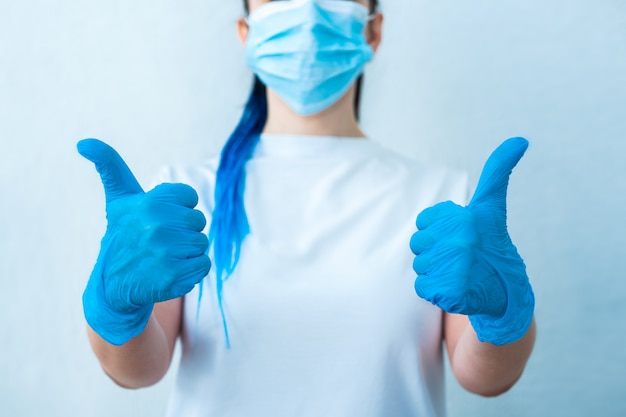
(310, 310)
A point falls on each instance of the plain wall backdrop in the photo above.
(164, 81)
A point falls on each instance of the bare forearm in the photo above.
(140, 362)
(486, 369)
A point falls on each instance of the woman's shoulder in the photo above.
(438, 181)
(194, 174)
(411, 162)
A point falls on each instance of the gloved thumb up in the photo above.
(153, 249)
(117, 178)
(466, 262)
(494, 179)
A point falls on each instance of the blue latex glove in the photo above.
(153, 249)
(466, 262)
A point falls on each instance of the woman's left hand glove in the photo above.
(466, 262)
(153, 249)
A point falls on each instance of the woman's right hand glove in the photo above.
(153, 249)
(465, 259)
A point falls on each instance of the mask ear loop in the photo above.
(375, 13)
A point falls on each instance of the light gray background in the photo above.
(164, 81)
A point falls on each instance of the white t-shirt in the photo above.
(321, 311)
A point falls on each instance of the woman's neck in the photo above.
(337, 120)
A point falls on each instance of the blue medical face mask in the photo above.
(309, 52)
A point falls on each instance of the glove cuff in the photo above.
(516, 320)
(115, 327)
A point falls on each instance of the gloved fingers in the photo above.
(439, 289)
(423, 264)
(194, 244)
(424, 287)
(433, 214)
(421, 241)
(174, 216)
(195, 220)
(178, 243)
(117, 178)
(446, 258)
(494, 179)
(190, 272)
(179, 194)
(445, 282)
